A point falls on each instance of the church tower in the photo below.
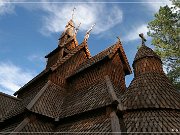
(151, 103)
(66, 43)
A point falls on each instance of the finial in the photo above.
(73, 13)
(88, 33)
(118, 39)
(77, 29)
(142, 38)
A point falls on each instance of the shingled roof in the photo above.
(48, 101)
(44, 72)
(143, 52)
(151, 90)
(109, 52)
(149, 121)
(93, 124)
(151, 102)
(83, 45)
(7, 103)
(86, 99)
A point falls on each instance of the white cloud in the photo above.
(154, 5)
(88, 14)
(36, 57)
(6, 7)
(13, 77)
(58, 14)
(134, 33)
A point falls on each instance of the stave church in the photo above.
(80, 94)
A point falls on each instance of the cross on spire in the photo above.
(73, 12)
(142, 38)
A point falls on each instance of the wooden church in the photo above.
(80, 94)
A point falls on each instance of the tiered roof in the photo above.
(151, 90)
(107, 53)
(145, 52)
(151, 103)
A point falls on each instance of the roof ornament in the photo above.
(73, 13)
(77, 29)
(141, 35)
(88, 33)
(119, 39)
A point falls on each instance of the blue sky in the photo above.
(30, 29)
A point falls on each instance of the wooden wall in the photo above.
(112, 67)
(149, 64)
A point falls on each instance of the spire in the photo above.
(150, 93)
(69, 33)
(73, 13)
(88, 33)
(146, 60)
(119, 40)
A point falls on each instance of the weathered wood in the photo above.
(30, 105)
(112, 93)
(115, 126)
(20, 126)
(110, 88)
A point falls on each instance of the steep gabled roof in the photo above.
(52, 52)
(48, 101)
(109, 52)
(59, 62)
(44, 72)
(86, 99)
(56, 65)
(98, 95)
(93, 124)
(17, 109)
(7, 103)
(31, 124)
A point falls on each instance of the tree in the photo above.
(165, 33)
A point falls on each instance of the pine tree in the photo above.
(165, 33)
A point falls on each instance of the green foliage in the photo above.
(165, 33)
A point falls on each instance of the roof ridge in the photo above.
(38, 95)
(88, 62)
(32, 80)
(9, 96)
(68, 56)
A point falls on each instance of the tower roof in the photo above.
(151, 90)
(143, 52)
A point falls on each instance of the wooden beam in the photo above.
(20, 126)
(31, 104)
(115, 126)
(112, 93)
